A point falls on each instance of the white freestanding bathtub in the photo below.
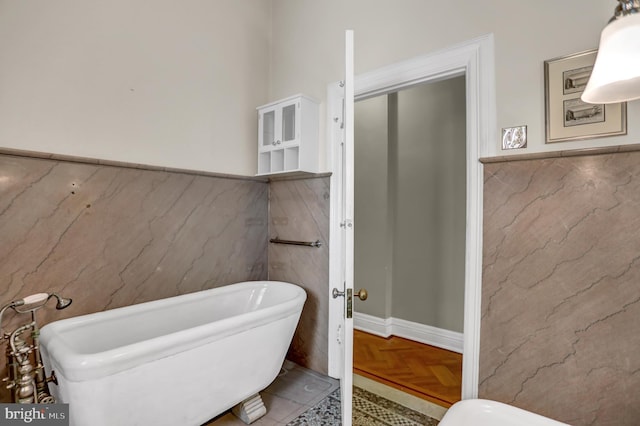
(483, 412)
(176, 361)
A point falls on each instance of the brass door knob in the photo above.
(362, 294)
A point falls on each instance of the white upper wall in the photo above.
(308, 45)
(177, 83)
(163, 82)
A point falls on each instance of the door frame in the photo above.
(474, 59)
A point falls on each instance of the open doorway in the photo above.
(410, 207)
(473, 59)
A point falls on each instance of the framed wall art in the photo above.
(567, 117)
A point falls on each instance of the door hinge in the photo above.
(346, 224)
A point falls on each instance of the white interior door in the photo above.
(341, 155)
(346, 381)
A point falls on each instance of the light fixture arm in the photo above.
(625, 8)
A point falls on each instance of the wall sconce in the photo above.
(616, 73)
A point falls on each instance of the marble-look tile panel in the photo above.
(299, 210)
(560, 325)
(113, 236)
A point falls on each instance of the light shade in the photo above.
(616, 73)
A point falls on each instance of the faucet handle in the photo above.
(34, 298)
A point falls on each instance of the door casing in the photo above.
(475, 60)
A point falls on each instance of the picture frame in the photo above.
(567, 117)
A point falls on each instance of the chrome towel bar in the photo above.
(315, 243)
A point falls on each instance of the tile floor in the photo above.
(293, 392)
(298, 389)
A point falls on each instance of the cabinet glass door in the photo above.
(268, 128)
(289, 123)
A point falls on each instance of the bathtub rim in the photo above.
(78, 366)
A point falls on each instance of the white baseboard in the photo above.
(374, 325)
(385, 327)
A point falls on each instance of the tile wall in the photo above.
(299, 210)
(560, 330)
(112, 236)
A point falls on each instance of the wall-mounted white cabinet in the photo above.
(288, 136)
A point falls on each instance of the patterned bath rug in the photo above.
(368, 410)
(326, 413)
(374, 410)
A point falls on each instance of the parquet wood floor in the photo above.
(424, 371)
